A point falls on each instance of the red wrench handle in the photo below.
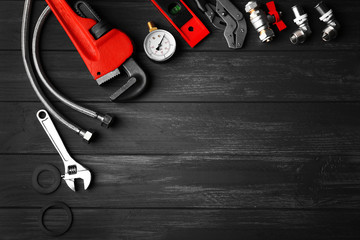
(101, 56)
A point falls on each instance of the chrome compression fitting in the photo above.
(301, 20)
(327, 16)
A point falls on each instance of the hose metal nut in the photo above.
(327, 16)
(106, 120)
(260, 21)
(87, 136)
(304, 31)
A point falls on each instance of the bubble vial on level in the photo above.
(175, 8)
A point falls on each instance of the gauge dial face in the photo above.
(160, 45)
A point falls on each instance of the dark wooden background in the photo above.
(258, 143)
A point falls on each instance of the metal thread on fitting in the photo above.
(327, 16)
(260, 21)
(301, 20)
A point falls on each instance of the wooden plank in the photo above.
(203, 77)
(195, 128)
(182, 181)
(188, 224)
(136, 28)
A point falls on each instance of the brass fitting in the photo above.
(152, 26)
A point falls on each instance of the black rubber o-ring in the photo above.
(35, 179)
(68, 223)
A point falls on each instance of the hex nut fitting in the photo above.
(250, 6)
(87, 136)
(329, 33)
(298, 37)
(106, 120)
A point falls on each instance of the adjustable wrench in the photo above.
(73, 170)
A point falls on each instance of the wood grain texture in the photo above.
(190, 224)
(258, 143)
(182, 181)
(195, 128)
(204, 77)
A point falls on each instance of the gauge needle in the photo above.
(158, 48)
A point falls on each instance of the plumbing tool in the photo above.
(260, 21)
(30, 72)
(275, 16)
(225, 16)
(304, 31)
(73, 170)
(183, 19)
(159, 44)
(327, 16)
(103, 48)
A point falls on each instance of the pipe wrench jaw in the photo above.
(134, 85)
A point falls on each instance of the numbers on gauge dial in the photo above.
(160, 45)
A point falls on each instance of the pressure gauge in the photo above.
(159, 44)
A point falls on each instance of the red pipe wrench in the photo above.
(103, 48)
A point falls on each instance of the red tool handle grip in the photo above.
(76, 27)
(101, 56)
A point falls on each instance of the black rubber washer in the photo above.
(35, 179)
(66, 228)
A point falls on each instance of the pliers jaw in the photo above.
(225, 16)
(212, 16)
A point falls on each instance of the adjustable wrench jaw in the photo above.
(73, 171)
